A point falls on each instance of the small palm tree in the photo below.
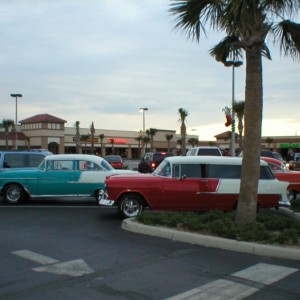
(139, 140)
(183, 114)
(146, 139)
(239, 110)
(77, 137)
(169, 137)
(92, 128)
(151, 132)
(193, 142)
(269, 141)
(7, 124)
(101, 137)
(84, 139)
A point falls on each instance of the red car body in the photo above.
(283, 174)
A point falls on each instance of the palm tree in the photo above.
(247, 25)
(101, 136)
(269, 141)
(84, 139)
(139, 139)
(239, 110)
(151, 132)
(146, 139)
(183, 114)
(7, 124)
(77, 137)
(92, 128)
(169, 137)
(193, 142)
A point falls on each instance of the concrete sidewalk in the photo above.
(217, 242)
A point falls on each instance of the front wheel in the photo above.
(14, 194)
(130, 206)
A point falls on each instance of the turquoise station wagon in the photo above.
(74, 175)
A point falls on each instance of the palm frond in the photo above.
(192, 15)
(228, 48)
(287, 35)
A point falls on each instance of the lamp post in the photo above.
(143, 109)
(233, 64)
(16, 96)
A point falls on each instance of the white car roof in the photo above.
(92, 158)
(225, 160)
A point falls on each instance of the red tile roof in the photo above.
(12, 136)
(43, 118)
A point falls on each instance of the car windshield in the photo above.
(163, 170)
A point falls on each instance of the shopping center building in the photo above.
(45, 131)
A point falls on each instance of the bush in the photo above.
(269, 228)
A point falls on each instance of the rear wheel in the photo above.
(14, 194)
(130, 206)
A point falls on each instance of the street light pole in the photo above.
(16, 125)
(233, 64)
(143, 109)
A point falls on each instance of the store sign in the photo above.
(289, 145)
(117, 141)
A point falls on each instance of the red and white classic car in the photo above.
(282, 173)
(191, 183)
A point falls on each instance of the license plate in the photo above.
(106, 202)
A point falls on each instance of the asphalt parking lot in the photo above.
(77, 250)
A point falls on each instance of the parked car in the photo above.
(283, 174)
(190, 183)
(294, 164)
(207, 151)
(151, 160)
(21, 159)
(116, 161)
(58, 175)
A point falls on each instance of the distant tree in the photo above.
(139, 140)
(84, 139)
(7, 124)
(77, 137)
(169, 137)
(193, 142)
(183, 114)
(269, 141)
(101, 136)
(151, 132)
(239, 110)
(92, 128)
(146, 139)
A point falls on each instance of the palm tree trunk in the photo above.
(247, 203)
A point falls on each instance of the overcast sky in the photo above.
(101, 60)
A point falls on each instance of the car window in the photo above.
(276, 168)
(106, 166)
(34, 160)
(163, 170)
(208, 152)
(61, 165)
(15, 160)
(223, 171)
(188, 170)
(85, 165)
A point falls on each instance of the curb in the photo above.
(210, 241)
